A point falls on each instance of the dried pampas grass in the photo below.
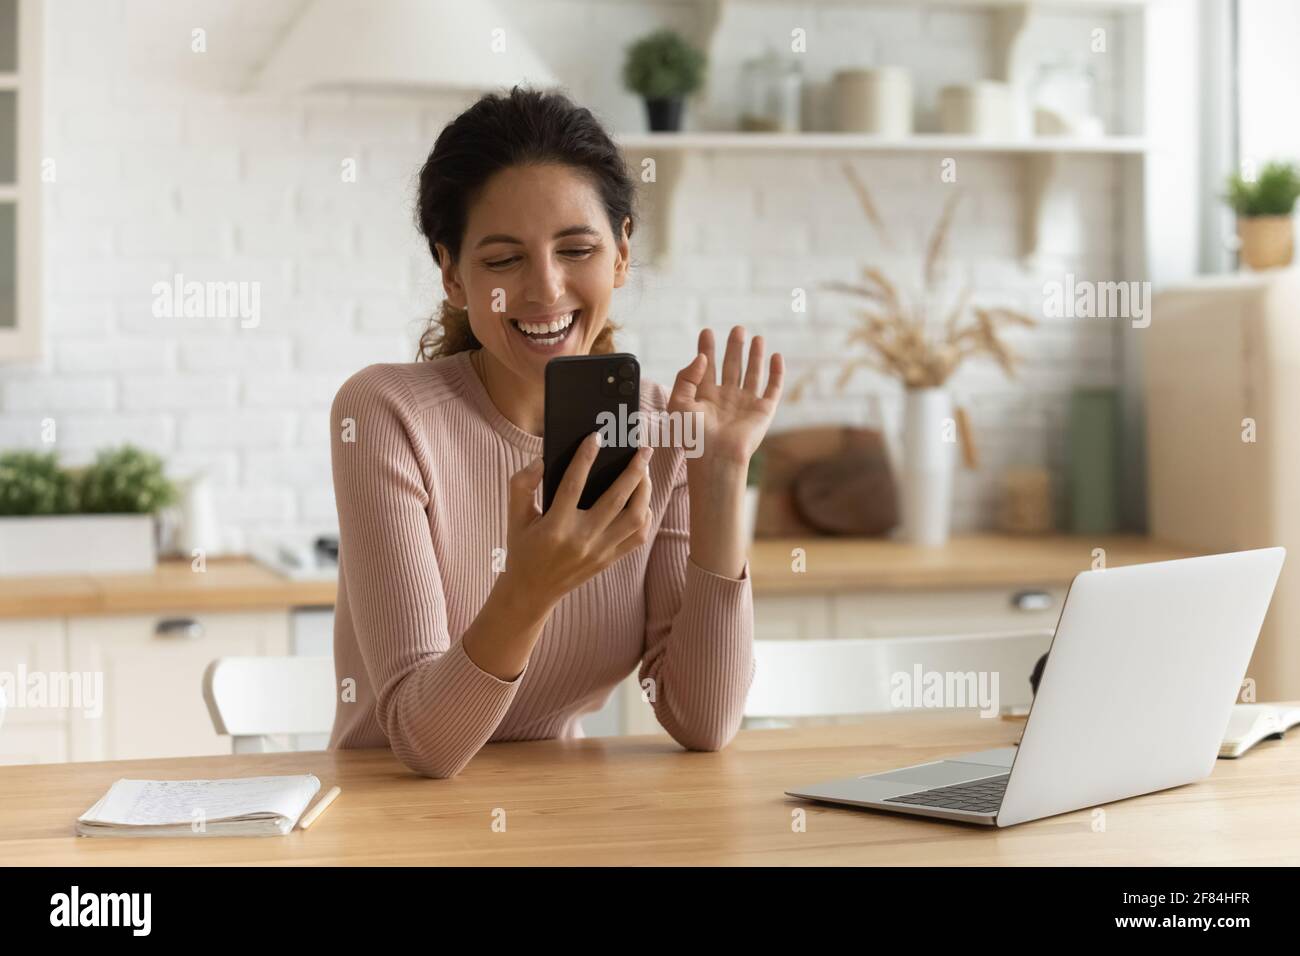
(900, 340)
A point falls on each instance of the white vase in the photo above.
(199, 530)
(929, 458)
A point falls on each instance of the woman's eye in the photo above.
(571, 253)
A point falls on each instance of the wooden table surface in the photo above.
(830, 565)
(644, 801)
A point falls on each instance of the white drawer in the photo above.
(152, 667)
(34, 653)
(33, 743)
(957, 611)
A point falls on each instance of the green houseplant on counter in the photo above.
(664, 69)
(91, 520)
(1264, 208)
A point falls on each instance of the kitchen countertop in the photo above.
(967, 561)
(833, 565)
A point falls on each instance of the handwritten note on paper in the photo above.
(162, 802)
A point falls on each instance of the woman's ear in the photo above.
(451, 284)
(622, 252)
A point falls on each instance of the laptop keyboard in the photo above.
(978, 796)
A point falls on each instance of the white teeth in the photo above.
(539, 327)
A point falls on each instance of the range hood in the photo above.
(401, 46)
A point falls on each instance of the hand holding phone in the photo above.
(568, 545)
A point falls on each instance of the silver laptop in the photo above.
(1141, 677)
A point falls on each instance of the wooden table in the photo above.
(643, 800)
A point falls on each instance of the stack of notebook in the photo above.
(246, 806)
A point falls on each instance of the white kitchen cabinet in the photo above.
(956, 611)
(29, 733)
(892, 614)
(152, 668)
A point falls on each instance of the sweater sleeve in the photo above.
(699, 653)
(436, 706)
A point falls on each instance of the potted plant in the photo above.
(1264, 208)
(664, 69)
(98, 519)
(909, 338)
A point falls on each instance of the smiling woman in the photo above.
(519, 161)
(465, 614)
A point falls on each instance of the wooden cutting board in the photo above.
(829, 479)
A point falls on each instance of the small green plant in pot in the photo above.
(125, 480)
(663, 69)
(1264, 208)
(32, 483)
(98, 519)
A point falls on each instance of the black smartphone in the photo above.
(584, 393)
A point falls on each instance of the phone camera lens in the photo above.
(627, 370)
(626, 388)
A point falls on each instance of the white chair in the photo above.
(255, 698)
(855, 676)
(2, 705)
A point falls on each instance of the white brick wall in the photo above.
(166, 166)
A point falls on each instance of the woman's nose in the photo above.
(544, 283)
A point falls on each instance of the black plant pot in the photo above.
(665, 114)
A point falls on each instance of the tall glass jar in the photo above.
(771, 94)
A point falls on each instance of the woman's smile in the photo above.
(550, 333)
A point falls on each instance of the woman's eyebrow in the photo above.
(563, 233)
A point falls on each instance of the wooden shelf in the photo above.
(857, 142)
(674, 153)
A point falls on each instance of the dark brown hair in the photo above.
(523, 127)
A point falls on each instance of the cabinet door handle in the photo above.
(1031, 600)
(178, 627)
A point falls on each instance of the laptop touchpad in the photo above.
(939, 774)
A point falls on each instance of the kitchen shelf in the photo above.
(861, 142)
(1039, 156)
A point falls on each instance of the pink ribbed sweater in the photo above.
(421, 491)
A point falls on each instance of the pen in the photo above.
(321, 804)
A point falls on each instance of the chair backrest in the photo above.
(251, 698)
(836, 677)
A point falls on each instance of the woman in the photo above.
(465, 615)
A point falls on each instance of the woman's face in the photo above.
(537, 250)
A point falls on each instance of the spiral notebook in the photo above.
(242, 806)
